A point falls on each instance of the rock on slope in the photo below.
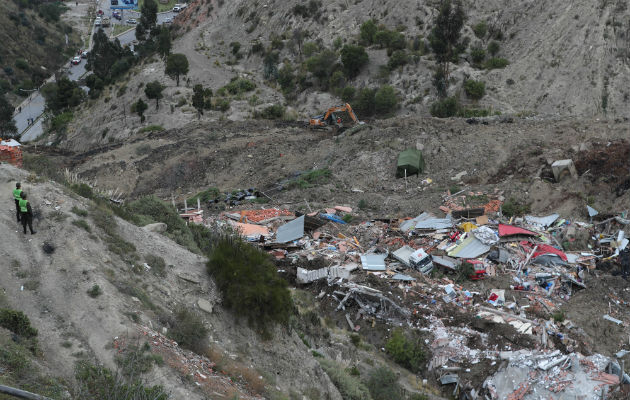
(50, 288)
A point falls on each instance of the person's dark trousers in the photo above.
(27, 219)
(17, 209)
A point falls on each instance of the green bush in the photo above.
(474, 89)
(348, 385)
(249, 282)
(477, 55)
(79, 212)
(480, 29)
(493, 48)
(353, 59)
(17, 322)
(99, 383)
(205, 196)
(445, 108)
(385, 100)
(60, 122)
(496, 62)
(474, 112)
(364, 102)
(95, 291)
(240, 85)
(407, 353)
(347, 94)
(222, 104)
(188, 330)
(160, 211)
(383, 385)
(275, 111)
(514, 207)
(367, 31)
(81, 223)
(82, 190)
(21, 64)
(311, 178)
(398, 58)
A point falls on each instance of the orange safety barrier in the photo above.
(12, 155)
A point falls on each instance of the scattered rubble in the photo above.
(408, 272)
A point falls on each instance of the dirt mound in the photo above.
(607, 163)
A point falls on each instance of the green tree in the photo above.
(164, 41)
(408, 353)
(7, 124)
(446, 33)
(480, 29)
(148, 19)
(108, 59)
(383, 384)
(398, 58)
(474, 89)
(139, 107)
(353, 58)
(286, 78)
(153, 90)
(198, 100)
(385, 100)
(270, 62)
(176, 65)
(445, 108)
(367, 31)
(364, 102)
(477, 55)
(493, 48)
(321, 65)
(62, 95)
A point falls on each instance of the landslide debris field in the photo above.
(548, 322)
(507, 155)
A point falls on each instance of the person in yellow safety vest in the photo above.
(16, 196)
(27, 213)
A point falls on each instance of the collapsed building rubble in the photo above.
(431, 262)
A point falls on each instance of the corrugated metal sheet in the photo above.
(542, 221)
(435, 223)
(410, 224)
(471, 247)
(373, 262)
(290, 231)
(445, 262)
(403, 254)
(402, 277)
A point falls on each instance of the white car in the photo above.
(76, 61)
(179, 7)
(168, 20)
(97, 22)
(132, 21)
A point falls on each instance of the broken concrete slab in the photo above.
(563, 168)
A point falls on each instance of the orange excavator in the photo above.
(330, 118)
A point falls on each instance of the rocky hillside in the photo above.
(96, 287)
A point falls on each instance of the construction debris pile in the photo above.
(408, 271)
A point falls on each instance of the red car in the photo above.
(100, 12)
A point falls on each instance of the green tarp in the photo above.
(410, 160)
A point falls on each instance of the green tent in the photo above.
(410, 160)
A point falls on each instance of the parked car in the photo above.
(100, 12)
(168, 20)
(84, 54)
(97, 22)
(179, 7)
(116, 14)
(76, 61)
(131, 21)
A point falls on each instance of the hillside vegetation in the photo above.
(32, 44)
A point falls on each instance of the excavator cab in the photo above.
(332, 119)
